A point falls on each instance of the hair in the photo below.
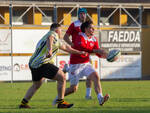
(82, 10)
(86, 24)
(54, 26)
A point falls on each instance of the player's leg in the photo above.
(88, 85)
(37, 79)
(61, 85)
(74, 76)
(74, 79)
(31, 91)
(88, 89)
(98, 89)
(53, 72)
(71, 89)
(68, 91)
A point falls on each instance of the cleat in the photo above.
(64, 105)
(88, 97)
(24, 106)
(104, 99)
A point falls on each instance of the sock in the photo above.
(24, 101)
(99, 95)
(59, 101)
(88, 91)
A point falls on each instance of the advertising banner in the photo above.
(5, 41)
(25, 40)
(21, 71)
(124, 40)
(5, 68)
(127, 67)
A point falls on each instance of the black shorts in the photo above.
(46, 70)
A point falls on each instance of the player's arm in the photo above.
(49, 45)
(67, 39)
(98, 51)
(68, 33)
(69, 49)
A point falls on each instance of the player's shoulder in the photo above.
(77, 23)
(82, 35)
(53, 33)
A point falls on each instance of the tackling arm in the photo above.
(67, 39)
(69, 49)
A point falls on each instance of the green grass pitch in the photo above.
(126, 97)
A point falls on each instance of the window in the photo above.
(47, 19)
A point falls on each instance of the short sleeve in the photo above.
(61, 42)
(53, 34)
(96, 46)
(70, 29)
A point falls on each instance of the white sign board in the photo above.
(25, 40)
(122, 39)
(128, 66)
(21, 71)
(5, 68)
(5, 40)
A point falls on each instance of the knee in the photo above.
(62, 77)
(97, 76)
(94, 76)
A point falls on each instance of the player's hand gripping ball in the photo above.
(113, 55)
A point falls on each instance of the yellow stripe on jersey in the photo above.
(39, 56)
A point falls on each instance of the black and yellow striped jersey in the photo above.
(39, 56)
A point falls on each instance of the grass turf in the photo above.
(126, 97)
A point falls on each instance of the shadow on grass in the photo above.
(73, 110)
(130, 99)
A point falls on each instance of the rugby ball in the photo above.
(113, 55)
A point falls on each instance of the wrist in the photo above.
(94, 51)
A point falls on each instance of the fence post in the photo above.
(55, 14)
(10, 27)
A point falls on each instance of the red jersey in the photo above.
(74, 29)
(83, 43)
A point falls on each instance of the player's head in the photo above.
(87, 28)
(82, 12)
(56, 27)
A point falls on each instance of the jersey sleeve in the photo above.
(96, 46)
(70, 29)
(61, 42)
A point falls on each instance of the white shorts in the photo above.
(78, 71)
